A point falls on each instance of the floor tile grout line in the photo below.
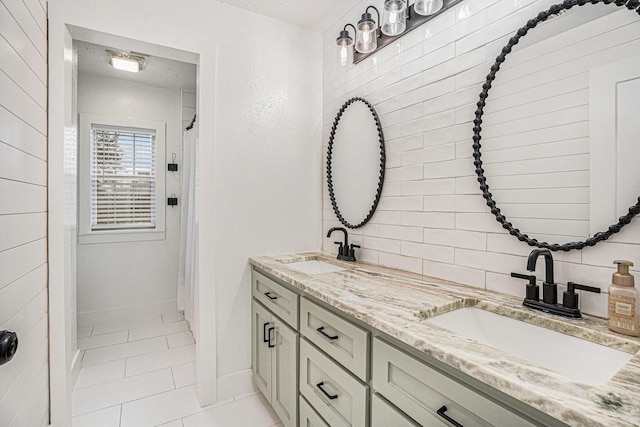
(124, 403)
(136, 375)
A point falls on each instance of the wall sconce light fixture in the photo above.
(398, 18)
(344, 41)
(367, 32)
(394, 17)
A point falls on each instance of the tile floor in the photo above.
(142, 373)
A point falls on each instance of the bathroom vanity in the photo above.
(350, 344)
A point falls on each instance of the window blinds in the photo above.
(123, 178)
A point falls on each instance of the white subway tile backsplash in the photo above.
(427, 123)
(453, 272)
(400, 262)
(456, 238)
(432, 218)
(428, 187)
(484, 222)
(428, 252)
(406, 143)
(429, 219)
(449, 169)
(454, 203)
(429, 155)
(505, 284)
(399, 232)
(380, 244)
(489, 261)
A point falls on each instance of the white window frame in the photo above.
(85, 234)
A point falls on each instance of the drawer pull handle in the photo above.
(270, 296)
(326, 335)
(453, 422)
(264, 332)
(269, 338)
(320, 385)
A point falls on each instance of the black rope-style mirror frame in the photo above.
(633, 6)
(382, 162)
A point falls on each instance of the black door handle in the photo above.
(271, 297)
(320, 385)
(264, 332)
(453, 422)
(8, 346)
(326, 335)
(269, 337)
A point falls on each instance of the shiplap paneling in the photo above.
(18, 39)
(24, 389)
(20, 135)
(425, 87)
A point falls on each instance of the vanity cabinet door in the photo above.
(424, 393)
(261, 353)
(385, 415)
(278, 299)
(284, 371)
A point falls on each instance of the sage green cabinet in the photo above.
(385, 415)
(275, 362)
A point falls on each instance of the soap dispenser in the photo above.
(624, 304)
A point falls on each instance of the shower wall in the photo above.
(134, 279)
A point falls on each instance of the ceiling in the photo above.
(316, 15)
(158, 71)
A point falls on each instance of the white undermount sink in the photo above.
(314, 267)
(578, 359)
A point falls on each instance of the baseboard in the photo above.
(125, 314)
(235, 385)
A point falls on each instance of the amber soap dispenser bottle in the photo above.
(624, 304)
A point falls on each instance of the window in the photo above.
(121, 179)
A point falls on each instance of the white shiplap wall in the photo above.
(432, 218)
(24, 382)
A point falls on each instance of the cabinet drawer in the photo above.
(385, 415)
(308, 416)
(280, 300)
(346, 343)
(338, 397)
(420, 391)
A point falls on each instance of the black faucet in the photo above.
(549, 303)
(549, 287)
(345, 252)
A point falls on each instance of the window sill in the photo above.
(120, 236)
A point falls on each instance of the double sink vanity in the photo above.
(353, 344)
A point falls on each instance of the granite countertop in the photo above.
(398, 302)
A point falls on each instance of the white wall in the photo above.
(432, 218)
(24, 382)
(139, 278)
(259, 104)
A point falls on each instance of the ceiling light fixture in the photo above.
(126, 61)
(398, 18)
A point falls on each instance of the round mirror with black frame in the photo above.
(355, 162)
(507, 132)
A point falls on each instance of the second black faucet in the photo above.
(345, 252)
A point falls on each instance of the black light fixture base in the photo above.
(413, 22)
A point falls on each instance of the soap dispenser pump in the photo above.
(624, 302)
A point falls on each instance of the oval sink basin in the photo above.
(578, 359)
(314, 267)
